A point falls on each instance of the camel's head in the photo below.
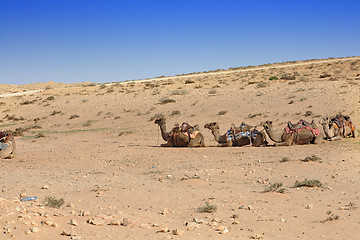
(212, 126)
(160, 121)
(267, 125)
(324, 121)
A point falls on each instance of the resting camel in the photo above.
(7, 145)
(178, 138)
(300, 136)
(246, 136)
(338, 127)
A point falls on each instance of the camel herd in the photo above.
(333, 128)
(303, 132)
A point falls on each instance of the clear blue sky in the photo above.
(113, 40)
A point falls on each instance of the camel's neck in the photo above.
(219, 138)
(329, 132)
(164, 133)
(276, 136)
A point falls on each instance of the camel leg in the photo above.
(168, 144)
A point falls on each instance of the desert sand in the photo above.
(96, 147)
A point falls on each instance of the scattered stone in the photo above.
(165, 211)
(115, 223)
(84, 213)
(309, 206)
(235, 216)
(125, 222)
(164, 230)
(75, 237)
(73, 222)
(177, 232)
(34, 229)
(96, 222)
(66, 233)
(27, 232)
(226, 230)
(45, 187)
(156, 225)
(283, 220)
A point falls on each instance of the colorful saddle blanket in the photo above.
(235, 134)
(301, 125)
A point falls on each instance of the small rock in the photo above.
(235, 216)
(125, 222)
(115, 223)
(73, 222)
(27, 232)
(283, 220)
(75, 237)
(220, 228)
(45, 187)
(309, 206)
(226, 230)
(177, 232)
(165, 211)
(34, 229)
(163, 230)
(66, 233)
(84, 213)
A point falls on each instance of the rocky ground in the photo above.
(90, 154)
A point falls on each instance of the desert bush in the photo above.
(262, 84)
(189, 81)
(102, 86)
(74, 116)
(156, 116)
(178, 92)
(288, 77)
(273, 78)
(254, 115)
(212, 91)
(53, 202)
(175, 112)
(126, 132)
(222, 112)
(28, 102)
(55, 112)
(308, 113)
(207, 208)
(285, 159)
(291, 102)
(165, 100)
(308, 183)
(312, 158)
(275, 187)
(331, 217)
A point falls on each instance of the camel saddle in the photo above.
(301, 125)
(235, 133)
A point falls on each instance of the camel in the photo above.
(246, 136)
(178, 138)
(7, 145)
(338, 127)
(300, 136)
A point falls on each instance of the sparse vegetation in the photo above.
(53, 202)
(285, 159)
(312, 158)
(212, 91)
(273, 78)
(165, 100)
(331, 217)
(74, 116)
(207, 208)
(275, 187)
(308, 183)
(175, 112)
(156, 116)
(222, 112)
(262, 84)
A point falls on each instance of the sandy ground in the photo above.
(96, 147)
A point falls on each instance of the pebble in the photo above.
(27, 232)
(164, 230)
(73, 222)
(115, 223)
(45, 187)
(75, 237)
(84, 213)
(125, 222)
(309, 207)
(177, 232)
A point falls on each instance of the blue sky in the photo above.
(113, 40)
